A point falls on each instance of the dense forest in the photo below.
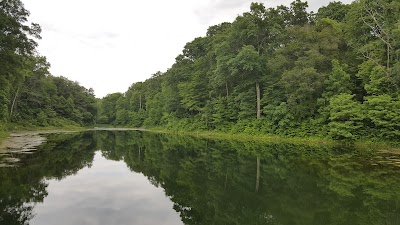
(280, 70)
(29, 94)
(284, 70)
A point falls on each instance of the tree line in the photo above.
(29, 94)
(279, 70)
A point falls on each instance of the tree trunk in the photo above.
(227, 90)
(258, 174)
(140, 101)
(13, 103)
(388, 57)
(258, 100)
(226, 180)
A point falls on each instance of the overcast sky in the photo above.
(108, 45)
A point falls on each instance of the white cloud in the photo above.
(108, 45)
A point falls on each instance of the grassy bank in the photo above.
(270, 138)
(246, 137)
(54, 124)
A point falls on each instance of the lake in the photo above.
(133, 177)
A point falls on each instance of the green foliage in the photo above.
(136, 119)
(323, 74)
(17, 38)
(107, 108)
(338, 82)
(29, 94)
(346, 116)
(302, 87)
(280, 117)
(298, 73)
(334, 10)
(383, 115)
(45, 100)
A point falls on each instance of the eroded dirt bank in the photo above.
(17, 144)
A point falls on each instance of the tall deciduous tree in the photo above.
(17, 40)
(247, 66)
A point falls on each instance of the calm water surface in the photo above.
(129, 177)
(106, 193)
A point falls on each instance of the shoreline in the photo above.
(215, 135)
(18, 143)
(379, 145)
(23, 142)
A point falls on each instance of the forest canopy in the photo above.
(281, 70)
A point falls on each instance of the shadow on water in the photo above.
(221, 182)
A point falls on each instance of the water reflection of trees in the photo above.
(220, 182)
(23, 186)
(216, 182)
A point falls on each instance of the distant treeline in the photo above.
(29, 94)
(279, 70)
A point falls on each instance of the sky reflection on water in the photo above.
(106, 193)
